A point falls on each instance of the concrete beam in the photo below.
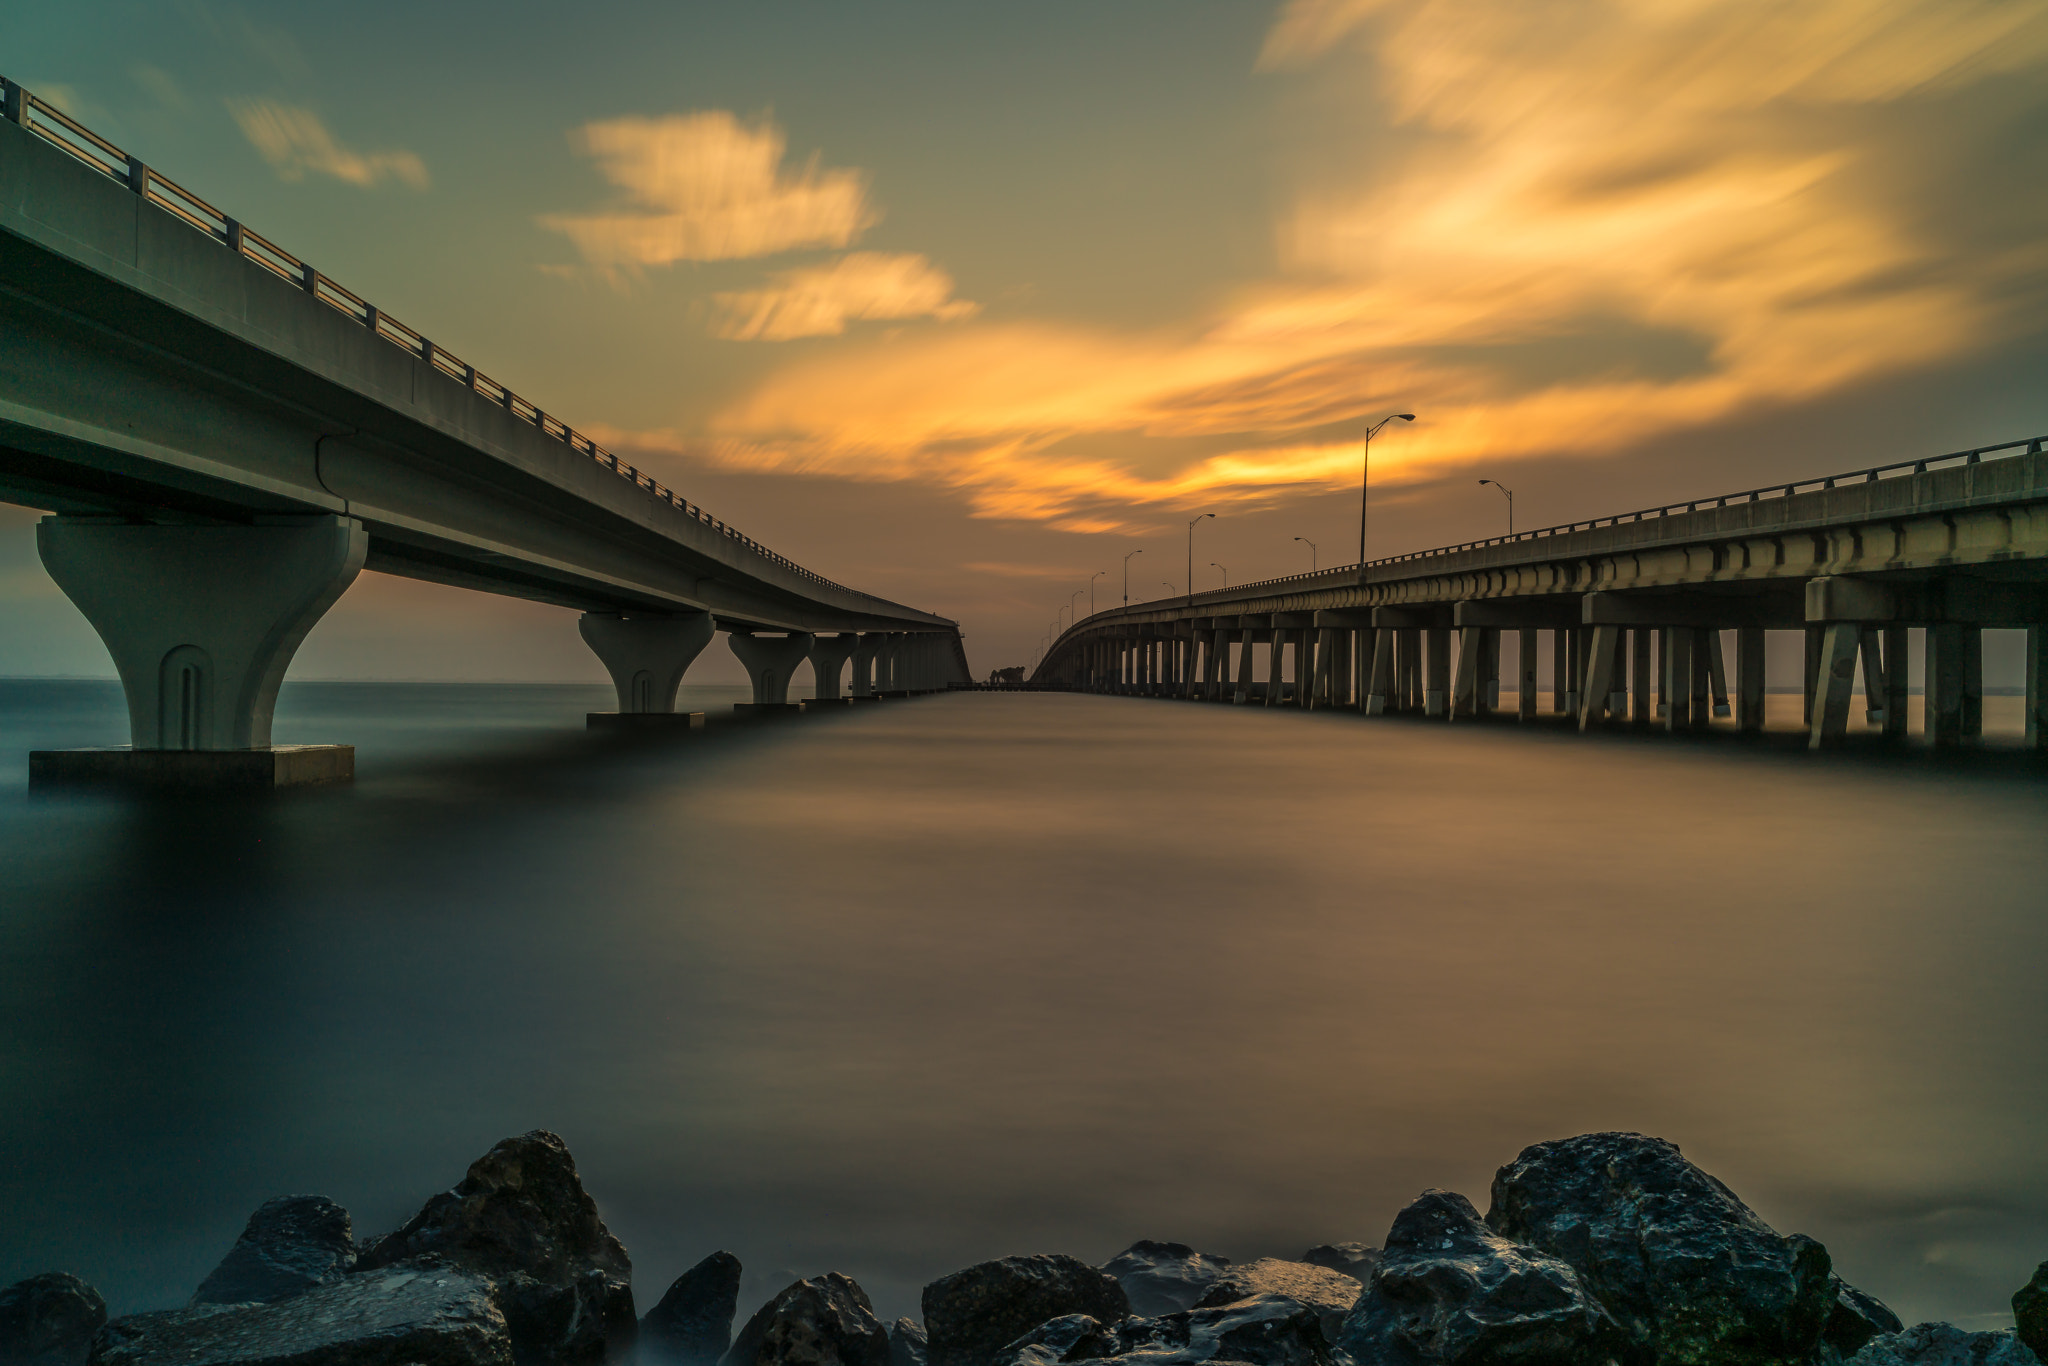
(1708, 611)
(1529, 614)
(1427, 617)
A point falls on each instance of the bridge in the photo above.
(1862, 564)
(225, 436)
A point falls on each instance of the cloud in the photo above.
(707, 187)
(295, 141)
(819, 301)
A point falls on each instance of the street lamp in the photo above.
(1127, 574)
(1226, 572)
(1191, 556)
(1511, 501)
(1171, 588)
(1365, 481)
(1312, 552)
(1071, 619)
(1091, 589)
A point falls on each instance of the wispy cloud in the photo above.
(295, 141)
(818, 301)
(707, 187)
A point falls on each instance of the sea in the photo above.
(897, 989)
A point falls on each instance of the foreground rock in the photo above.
(1071, 1337)
(289, 1246)
(907, 1345)
(1856, 1318)
(522, 1218)
(1687, 1269)
(826, 1321)
(972, 1315)
(692, 1325)
(1330, 1293)
(1164, 1278)
(2030, 1312)
(1944, 1344)
(1262, 1330)
(49, 1320)
(423, 1315)
(1355, 1260)
(1449, 1289)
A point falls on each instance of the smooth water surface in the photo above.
(893, 991)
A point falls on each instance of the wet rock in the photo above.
(522, 1218)
(1688, 1270)
(289, 1246)
(49, 1320)
(2030, 1312)
(1262, 1329)
(1071, 1337)
(1355, 1260)
(1164, 1278)
(1330, 1293)
(1856, 1318)
(906, 1343)
(1450, 1289)
(973, 1314)
(1944, 1344)
(825, 1321)
(692, 1325)
(428, 1314)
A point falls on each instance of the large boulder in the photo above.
(1069, 1338)
(907, 1345)
(1855, 1318)
(49, 1320)
(825, 1321)
(1693, 1276)
(1944, 1344)
(1164, 1278)
(290, 1245)
(692, 1325)
(425, 1314)
(2030, 1312)
(1449, 1289)
(971, 1315)
(1262, 1329)
(522, 1218)
(1355, 1260)
(1330, 1293)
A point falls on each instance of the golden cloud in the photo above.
(295, 141)
(820, 300)
(707, 187)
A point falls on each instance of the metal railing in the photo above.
(61, 131)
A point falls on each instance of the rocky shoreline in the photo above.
(1606, 1249)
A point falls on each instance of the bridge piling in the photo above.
(646, 656)
(770, 661)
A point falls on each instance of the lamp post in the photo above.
(1226, 572)
(1312, 552)
(1127, 574)
(1511, 501)
(1191, 556)
(1365, 481)
(1171, 588)
(1091, 589)
(1072, 620)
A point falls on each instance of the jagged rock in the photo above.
(2030, 1312)
(1355, 1260)
(290, 1245)
(1071, 1337)
(906, 1343)
(1164, 1278)
(1687, 1269)
(1855, 1318)
(522, 1218)
(1450, 1289)
(49, 1320)
(1330, 1293)
(692, 1325)
(423, 1314)
(971, 1315)
(1262, 1329)
(1944, 1344)
(825, 1321)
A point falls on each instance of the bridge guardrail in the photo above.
(66, 133)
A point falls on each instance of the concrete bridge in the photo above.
(226, 437)
(1862, 564)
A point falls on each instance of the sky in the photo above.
(962, 304)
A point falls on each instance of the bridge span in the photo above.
(1637, 605)
(225, 437)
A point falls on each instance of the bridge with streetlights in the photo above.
(225, 437)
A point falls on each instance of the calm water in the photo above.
(934, 981)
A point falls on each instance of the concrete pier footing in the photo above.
(187, 770)
(645, 722)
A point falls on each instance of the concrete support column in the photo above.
(1836, 688)
(1678, 651)
(1973, 682)
(1379, 681)
(863, 683)
(1219, 664)
(828, 656)
(1276, 651)
(202, 621)
(770, 661)
(1560, 670)
(1525, 699)
(1247, 639)
(1814, 643)
(2037, 688)
(1603, 656)
(1642, 707)
(1749, 679)
(1873, 677)
(1717, 674)
(1943, 703)
(1489, 670)
(1465, 683)
(1436, 684)
(1408, 684)
(1895, 678)
(646, 655)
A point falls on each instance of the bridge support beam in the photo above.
(202, 622)
(1749, 679)
(2037, 687)
(646, 657)
(1603, 662)
(770, 661)
(828, 657)
(1836, 684)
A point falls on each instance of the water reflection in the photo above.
(893, 991)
